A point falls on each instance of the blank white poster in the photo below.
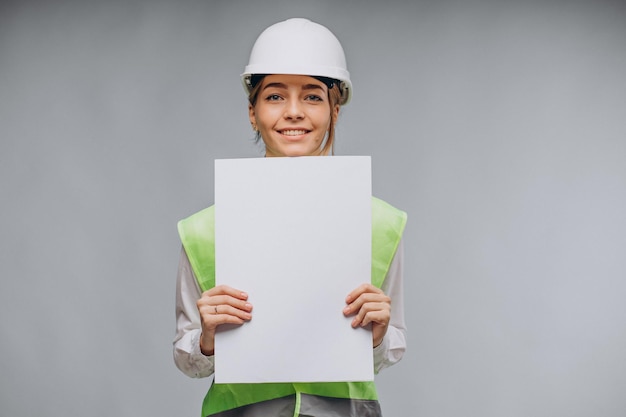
(295, 234)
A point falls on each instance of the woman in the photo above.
(296, 82)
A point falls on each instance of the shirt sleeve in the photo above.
(187, 355)
(393, 346)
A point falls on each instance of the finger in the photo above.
(372, 312)
(210, 320)
(226, 290)
(362, 289)
(227, 310)
(225, 300)
(357, 304)
(211, 308)
(376, 317)
(224, 294)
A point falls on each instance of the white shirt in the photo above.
(195, 364)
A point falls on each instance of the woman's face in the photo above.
(292, 114)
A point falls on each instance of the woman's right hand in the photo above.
(221, 305)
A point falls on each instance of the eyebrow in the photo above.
(284, 86)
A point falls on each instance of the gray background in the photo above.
(498, 126)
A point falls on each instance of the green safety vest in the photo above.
(197, 234)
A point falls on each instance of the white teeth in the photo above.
(293, 132)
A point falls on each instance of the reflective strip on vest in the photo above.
(197, 234)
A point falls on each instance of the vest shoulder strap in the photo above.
(387, 227)
(197, 234)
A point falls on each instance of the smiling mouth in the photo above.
(294, 132)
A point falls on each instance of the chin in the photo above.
(300, 152)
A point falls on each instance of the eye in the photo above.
(273, 97)
(314, 97)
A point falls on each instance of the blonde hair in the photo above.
(334, 98)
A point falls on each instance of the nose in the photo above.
(293, 110)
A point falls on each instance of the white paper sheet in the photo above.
(295, 234)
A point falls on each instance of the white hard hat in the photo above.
(299, 46)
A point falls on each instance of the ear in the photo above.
(335, 113)
(251, 114)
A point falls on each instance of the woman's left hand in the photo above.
(369, 304)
